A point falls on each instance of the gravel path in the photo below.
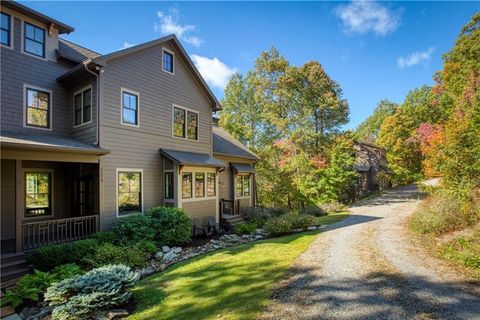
(365, 267)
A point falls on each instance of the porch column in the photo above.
(18, 205)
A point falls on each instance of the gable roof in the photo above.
(20, 8)
(75, 52)
(225, 144)
(120, 53)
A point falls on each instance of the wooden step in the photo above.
(12, 257)
(16, 273)
(6, 311)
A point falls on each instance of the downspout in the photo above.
(85, 65)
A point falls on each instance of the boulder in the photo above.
(159, 255)
(165, 249)
(169, 256)
(176, 249)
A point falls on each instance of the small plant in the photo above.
(173, 225)
(333, 207)
(278, 225)
(278, 211)
(300, 221)
(106, 236)
(109, 253)
(135, 228)
(83, 296)
(245, 228)
(66, 271)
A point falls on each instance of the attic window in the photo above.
(167, 61)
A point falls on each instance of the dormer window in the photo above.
(5, 30)
(34, 40)
(168, 62)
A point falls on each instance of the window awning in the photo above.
(192, 159)
(243, 167)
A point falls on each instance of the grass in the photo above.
(464, 250)
(233, 283)
(331, 218)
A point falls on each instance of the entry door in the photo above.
(83, 191)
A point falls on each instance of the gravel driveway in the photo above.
(366, 267)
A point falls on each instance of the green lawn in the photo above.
(233, 283)
(331, 218)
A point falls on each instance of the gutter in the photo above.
(85, 64)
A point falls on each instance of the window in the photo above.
(199, 185)
(167, 61)
(169, 189)
(38, 194)
(211, 185)
(242, 185)
(83, 107)
(185, 123)
(179, 122)
(187, 185)
(5, 29)
(129, 192)
(34, 40)
(37, 108)
(129, 108)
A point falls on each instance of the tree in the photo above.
(369, 129)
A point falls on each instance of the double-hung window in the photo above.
(38, 194)
(37, 109)
(242, 186)
(168, 62)
(34, 40)
(129, 191)
(185, 123)
(129, 108)
(83, 107)
(5, 29)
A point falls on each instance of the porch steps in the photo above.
(13, 266)
(230, 221)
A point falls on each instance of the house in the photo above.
(371, 168)
(87, 138)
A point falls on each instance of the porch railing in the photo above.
(38, 234)
(229, 207)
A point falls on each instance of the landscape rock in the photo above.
(169, 256)
(165, 249)
(176, 249)
(258, 237)
(159, 255)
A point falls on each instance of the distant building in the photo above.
(372, 169)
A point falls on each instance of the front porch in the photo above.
(47, 202)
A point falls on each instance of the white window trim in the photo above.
(22, 33)
(186, 123)
(11, 32)
(116, 190)
(52, 199)
(50, 107)
(194, 198)
(126, 90)
(91, 106)
(249, 187)
(173, 61)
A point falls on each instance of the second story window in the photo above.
(83, 107)
(185, 123)
(37, 108)
(34, 40)
(129, 108)
(167, 61)
(5, 30)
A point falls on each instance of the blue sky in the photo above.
(374, 50)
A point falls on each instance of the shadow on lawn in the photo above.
(218, 283)
(375, 296)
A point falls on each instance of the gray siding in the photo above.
(200, 209)
(138, 148)
(86, 132)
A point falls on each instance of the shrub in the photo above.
(173, 225)
(149, 247)
(135, 227)
(278, 225)
(31, 286)
(109, 253)
(445, 212)
(82, 296)
(277, 211)
(106, 236)
(245, 228)
(314, 211)
(48, 257)
(332, 207)
(300, 221)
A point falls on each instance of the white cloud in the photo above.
(169, 24)
(126, 45)
(214, 71)
(367, 16)
(415, 58)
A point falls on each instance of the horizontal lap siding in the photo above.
(138, 148)
(200, 209)
(87, 132)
